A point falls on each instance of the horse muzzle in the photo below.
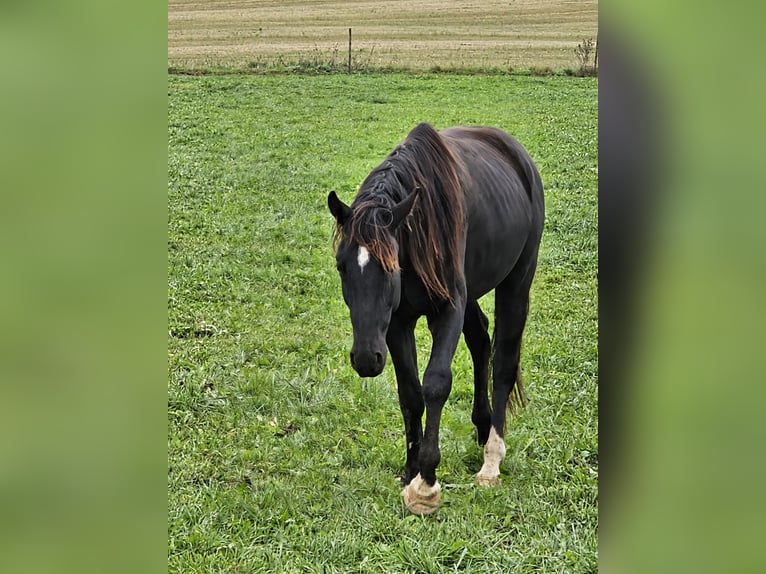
(368, 362)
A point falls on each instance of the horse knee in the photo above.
(437, 386)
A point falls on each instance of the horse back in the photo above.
(503, 203)
(492, 141)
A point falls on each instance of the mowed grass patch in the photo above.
(387, 34)
(280, 459)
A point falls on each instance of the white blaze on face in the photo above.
(363, 257)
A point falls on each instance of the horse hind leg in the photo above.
(511, 306)
(475, 331)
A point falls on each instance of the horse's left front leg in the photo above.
(422, 494)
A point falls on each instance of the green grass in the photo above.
(280, 459)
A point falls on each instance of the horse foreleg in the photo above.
(422, 494)
(401, 345)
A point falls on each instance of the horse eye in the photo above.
(341, 268)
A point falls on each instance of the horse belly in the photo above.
(495, 240)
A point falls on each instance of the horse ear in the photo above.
(339, 210)
(402, 209)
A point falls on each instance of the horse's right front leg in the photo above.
(401, 344)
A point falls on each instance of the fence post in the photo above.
(595, 61)
(349, 50)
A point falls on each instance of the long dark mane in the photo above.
(431, 233)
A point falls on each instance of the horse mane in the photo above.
(431, 234)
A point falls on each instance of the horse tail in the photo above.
(518, 399)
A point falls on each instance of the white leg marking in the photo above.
(419, 498)
(494, 453)
(363, 257)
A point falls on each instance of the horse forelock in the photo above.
(369, 227)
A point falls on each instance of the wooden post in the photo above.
(349, 50)
(595, 61)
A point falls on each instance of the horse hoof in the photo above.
(421, 499)
(487, 480)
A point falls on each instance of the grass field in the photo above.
(280, 458)
(387, 34)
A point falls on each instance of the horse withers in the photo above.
(447, 217)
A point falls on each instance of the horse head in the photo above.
(371, 287)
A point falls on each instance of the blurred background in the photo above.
(680, 273)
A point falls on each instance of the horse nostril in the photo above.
(351, 355)
(378, 358)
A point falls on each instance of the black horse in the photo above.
(447, 217)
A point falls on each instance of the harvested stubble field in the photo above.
(387, 34)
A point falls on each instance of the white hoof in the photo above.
(494, 453)
(488, 479)
(421, 499)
